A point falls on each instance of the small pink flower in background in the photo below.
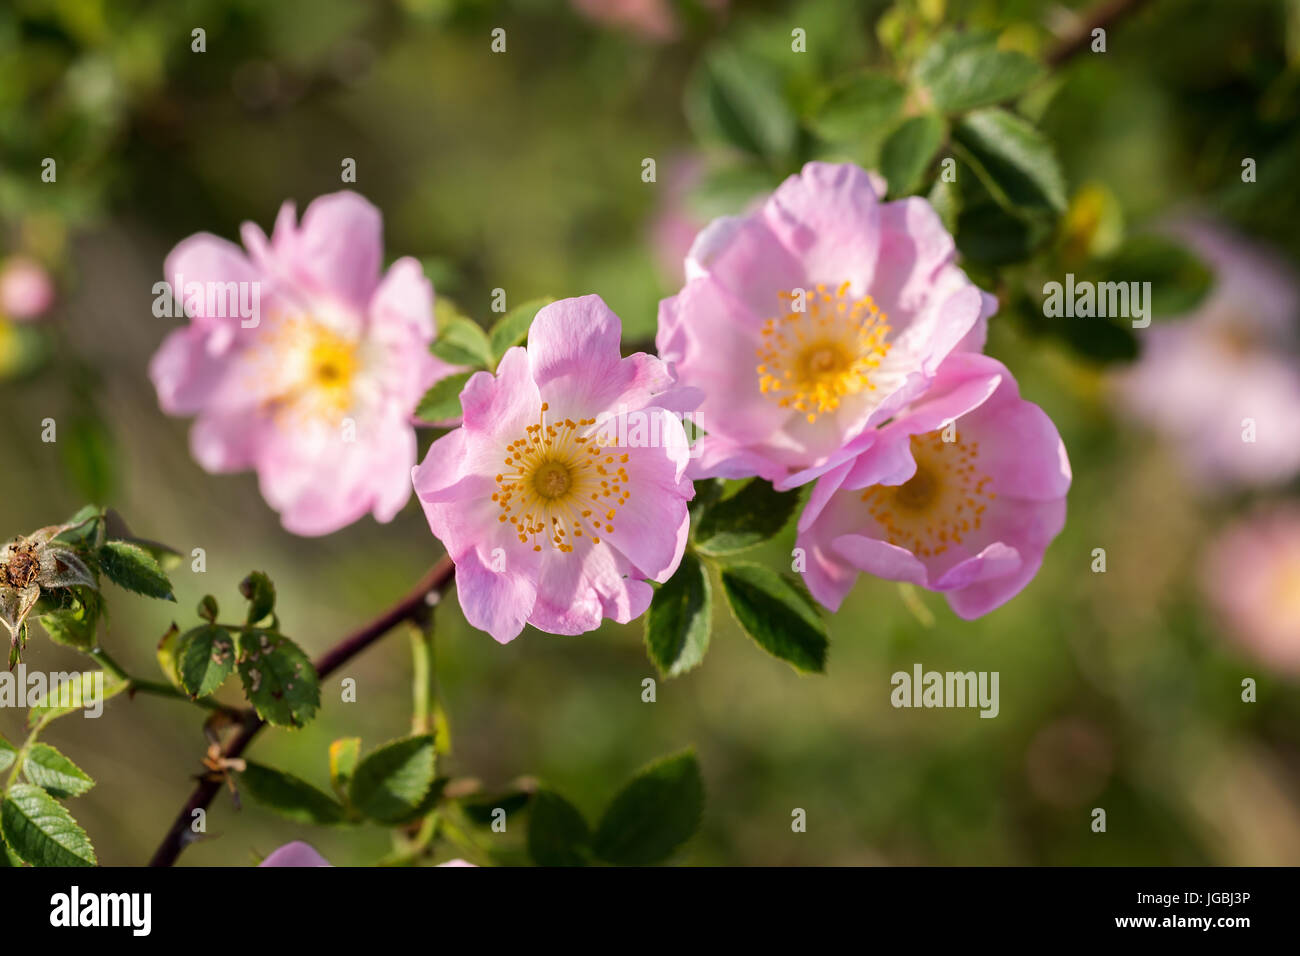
(653, 20)
(970, 516)
(1251, 576)
(316, 391)
(1236, 358)
(813, 318)
(564, 490)
(650, 19)
(299, 854)
(296, 854)
(26, 291)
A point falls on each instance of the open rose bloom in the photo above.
(564, 490)
(1235, 360)
(817, 316)
(960, 493)
(315, 391)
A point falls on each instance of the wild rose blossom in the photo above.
(26, 291)
(970, 516)
(316, 392)
(1251, 575)
(299, 854)
(1237, 357)
(296, 854)
(813, 318)
(564, 490)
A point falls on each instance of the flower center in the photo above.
(312, 368)
(552, 479)
(561, 485)
(822, 349)
(937, 506)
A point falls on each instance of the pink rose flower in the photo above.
(316, 390)
(565, 488)
(970, 516)
(1237, 357)
(26, 291)
(297, 854)
(818, 315)
(1251, 576)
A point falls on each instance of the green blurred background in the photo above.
(523, 171)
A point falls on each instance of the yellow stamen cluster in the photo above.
(822, 349)
(944, 501)
(318, 366)
(561, 484)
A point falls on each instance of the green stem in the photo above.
(423, 689)
(21, 757)
(136, 685)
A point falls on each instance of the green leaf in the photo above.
(482, 808)
(1013, 160)
(735, 98)
(344, 755)
(777, 615)
(462, 341)
(279, 679)
(72, 692)
(83, 527)
(442, 400)
(680, 619)
(390, 783)
(90, 456)
(8, 754)
(74, 623)
(130, 566)
(168, 645)
(754, 514)
(654, 814)
(208, 609)
(557, 833)
(259, 591)
(988, 234)
(8, 858)
(908, 151)
(56, 774)
(963, 71)
(852, 108)
(513, 328)
(40, 831)
(1179, 280)
(289, 796)
(206, 656)
(946, 199)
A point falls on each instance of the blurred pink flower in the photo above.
(315, 391)
(1236, 358)
(813, 318)
(26, 291)
(653, 20)
(564, 490)
(1251, 575)
(297, 854)
(970, 516)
